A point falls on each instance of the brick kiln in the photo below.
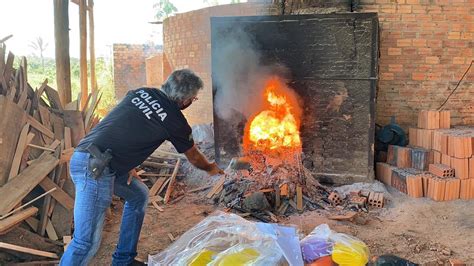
(314, 118)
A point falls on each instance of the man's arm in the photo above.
(197, 159)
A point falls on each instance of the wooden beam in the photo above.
(15, 190)
(28, 250)
(62, 197)
(61, 40)
(90, 8)
(83, 50)
(10, 222)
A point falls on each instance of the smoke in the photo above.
(239, 75)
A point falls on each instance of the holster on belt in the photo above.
(98, 160)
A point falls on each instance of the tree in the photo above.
(40, 46)
(164, 9)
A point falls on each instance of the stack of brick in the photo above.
(439, 163)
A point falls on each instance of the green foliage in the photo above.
(104, 74)
(164, 9)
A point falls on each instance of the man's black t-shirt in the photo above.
(137, 126)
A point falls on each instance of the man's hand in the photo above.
(214, 169)
(131, 174)
(197, 159)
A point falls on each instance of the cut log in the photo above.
(8, 223)
(15, 190)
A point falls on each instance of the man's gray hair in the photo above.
(182, 85)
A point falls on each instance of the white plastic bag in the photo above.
(222, 239)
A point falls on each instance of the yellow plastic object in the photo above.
(352, 253)
(202, 258)
(244, 257)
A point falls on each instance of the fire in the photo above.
(276, 126)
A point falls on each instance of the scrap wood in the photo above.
(178, 155)
(13, 220)
(50, 230)
(171, 183)
(272, 216)
(199, 189)
(155, 198)
(28, 250)
(15, 190)
(156, 165)
(177, 199)
(62, 197)
(157, 186)
(33, 223)
(66, 241)
(171, 237)
(218, 186)
(38, 263)
(40, 147)
(26, 204)
(350, 216)
(20, 148)
(164, 185)
(159, 175)
(40, 127)
(157, 206)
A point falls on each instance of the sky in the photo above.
(116, 21)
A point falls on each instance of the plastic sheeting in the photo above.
(227, 239)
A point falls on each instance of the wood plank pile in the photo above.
(439, 163)
(37, 137)
(159, 172)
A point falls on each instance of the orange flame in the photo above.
(276, 127)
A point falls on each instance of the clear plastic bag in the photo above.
(222, 239)
(344, 250)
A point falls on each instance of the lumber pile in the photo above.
(38, 134)
(439, 163)
(159, 172)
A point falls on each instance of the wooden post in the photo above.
(61, 34)
(90, 9)
(83, 50)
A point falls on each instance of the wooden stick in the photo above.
(157, 206)
(28, 250)
(41, 148)
(26, 204)
(199, 189)
(171, 184)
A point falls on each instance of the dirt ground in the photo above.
(420, 230)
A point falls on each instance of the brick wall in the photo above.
(425, 47)
(129, 66)
(187, 44)
(154, 70)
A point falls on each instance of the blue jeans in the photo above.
(93, 197)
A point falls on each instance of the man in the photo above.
(101, 163)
